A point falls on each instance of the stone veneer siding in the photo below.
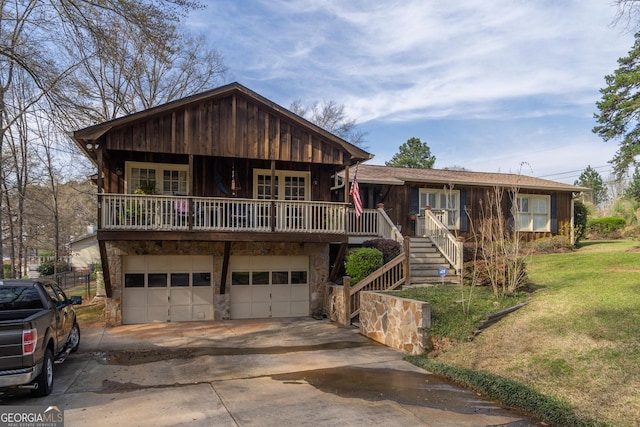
(318, 254)
(395, 322)
(334, 304)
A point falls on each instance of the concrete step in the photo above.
(417, 282)
(429, 257)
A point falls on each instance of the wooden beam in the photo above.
(346, 184)
(225, 267)
(342, 252)
(102, 246)
(212, 236)
(273, 195)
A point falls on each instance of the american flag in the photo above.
(355, 194)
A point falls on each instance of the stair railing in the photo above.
(390, 276)
(450, 247)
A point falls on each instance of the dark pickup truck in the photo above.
(38, 328)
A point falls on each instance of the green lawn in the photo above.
(578, 341)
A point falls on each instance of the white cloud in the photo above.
(482, 64)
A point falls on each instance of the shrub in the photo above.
(362, 262)
(625, 208)
(608, 227)
(549, 245)
(389, 248)
(46, 268)
(496, 274)
(632, 232)
(580, 215)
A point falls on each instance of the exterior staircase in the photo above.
(425, 261)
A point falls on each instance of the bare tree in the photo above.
(61, 56)
(119, 73)
(628, 14)
(498, 244)
(330, 116)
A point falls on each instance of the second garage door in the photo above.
(269, 286)
(167, 288)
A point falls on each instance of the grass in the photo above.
(89, 315)
(577, 342)
(448, 319)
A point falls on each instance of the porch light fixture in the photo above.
(315, 180)
(119, 171)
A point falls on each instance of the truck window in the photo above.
(57, 296)
(19, 298)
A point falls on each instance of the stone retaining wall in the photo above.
(395, 322)
(333, 304)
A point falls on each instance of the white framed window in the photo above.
(533, 212)
(288, 185)
(165, 178)
(443, 202)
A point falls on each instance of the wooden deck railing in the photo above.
(373, 223)
(446, 242)
(390, 276)
(152, 212)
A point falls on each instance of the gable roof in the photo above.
(93, 133)
(386, 175)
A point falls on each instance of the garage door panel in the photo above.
(260, 293)
(241, 310)
(202, 312)
(180, 296)
(157, 314)
(157, 297)
(180, 313)
(134, 315)
(281, 293)
(299, 293)
(280, 309)
(260, 310)
(203, 295)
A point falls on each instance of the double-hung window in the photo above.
(533, 213)
(443, 203)
(163, 178)
(288, 185)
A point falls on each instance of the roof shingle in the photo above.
(377, 174)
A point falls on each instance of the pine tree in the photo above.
(413, 154)
(590, 178)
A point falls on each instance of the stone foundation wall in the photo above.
(395, 322)
(318, 254)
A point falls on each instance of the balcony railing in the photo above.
(172, 213)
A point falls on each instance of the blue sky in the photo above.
(490, 85)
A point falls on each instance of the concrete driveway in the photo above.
(285, 372)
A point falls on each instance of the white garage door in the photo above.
(167, 288)
(269, 286)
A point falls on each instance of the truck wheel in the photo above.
(45, 379)
(74, 337)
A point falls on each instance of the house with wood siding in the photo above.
(544, 208)
(216, 206)
(225, 205)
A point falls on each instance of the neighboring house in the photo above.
(84, 252)
(544, 208)
(216, 206)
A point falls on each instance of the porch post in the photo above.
(346, 296)
(273, 195)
